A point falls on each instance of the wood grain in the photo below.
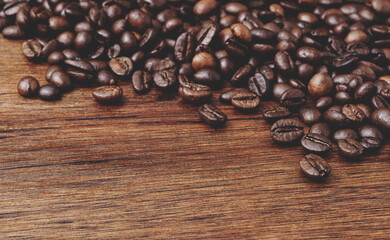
(150, 169)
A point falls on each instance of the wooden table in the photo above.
(74, 169)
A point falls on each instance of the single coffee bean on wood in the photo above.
(28, 87)
(108, 94)
(49, 92)
(315, 167)
(212, 115)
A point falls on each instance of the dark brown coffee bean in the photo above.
(204, 7)
(108, 94)
(381, 117)
(203, 60)
(195, 93)
(284, 62)
(61, 80)
(70, 54)
(184, 47)
(242, 75)
(350, 148)
(139, 20)
(365, 91)
(79, 70)
(308, 54)
(226, 97)
(49, 92)
(209, 77)
(56, 58)
(378, 101)
(154, 64)
(142, 81)
(371, 144)
(32, 50)
(292, 98)
(212, 115)
(324, 103)
(13, 32)
(345, 134)
(259, 85)
(83, 41)
(279, 89)
(273, 114)
(105, 77)
(165, 79)
(316, 143)
(58, 23)
(353, 113)
(286, 131)
(320, 85)
(309, 115)
(28, 87)
(321, 129)
(245, 101)
(335, 117)
(121, 66)
(315, 167)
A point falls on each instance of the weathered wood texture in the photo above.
(73, 169)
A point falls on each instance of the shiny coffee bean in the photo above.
(209, 77)
(335, 117)
(279, 89)
(212, 115)
(121, 66)
(226, 97)
(381, 117)
(320, 85)
(378, 101)
(345, 134)
(142, 81)
(316, 143)
(108, 94)
(321, 129)
(371, 144)
(241, 76)
(287, 131)
(165, 79)
(309, 115)
(32, 50)
(350, 148)
(195, 93)
(292, 98)
(370, 131)
(284, 62)
(315, 167)
(245, 101)
(61, 80)
(259, 85)
(353, 113)
(105, 77)
(49, 92)
(324, 103)
(28, 87)
(272, 114)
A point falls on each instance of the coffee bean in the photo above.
(335, 117)
(49, 92)
(284, 62)
(315, 167)
(121, 66)
(279, 89)
(353, 113)
(61, 80)
(370, 131)
(139, 20)
(273, 114)
(142, 81)
(212, 115)
(79, 70)
(345, 134)
(204, 7)
(108, 94)
(184, 47)
(242, 75)
(13, 32)
(154, 65)
(371, 144)
(28, 87)
(365, 91)
(350, 148)
(208, 77)
(56, 58)
(292, 98)
(378, 101)
(286, 131)
(226, 97)
(309, 114)
(105, 77)
(203, 60)
(259, 85)
(245, 101)
(324, 103)
(313, 142)
(32, 50)
(195, 93)
(320, 85)
(321, 128)
(165, 79)
(381, 117)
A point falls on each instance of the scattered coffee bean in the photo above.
(245, 101)
(142, 81)
(321, 129)
(315, 167)
(195, 93)
(226, 97)
(276, 113)
(317, 143)
(108, 94)
(287, 131)
(28, 87)
(212, 115)
(49, 92)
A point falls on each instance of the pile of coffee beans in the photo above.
(327, 61)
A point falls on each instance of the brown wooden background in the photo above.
(73, 169)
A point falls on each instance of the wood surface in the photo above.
(150, 169)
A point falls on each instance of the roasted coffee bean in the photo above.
(226, 97)
(321, 129)
(350, 148)
(315, 167)
(381, 117)
(50, 70)
(165, 79)
(345, 134)
(185, 47)
(56, 58)
(204, 7)
(209, 77)
(335, 117)
(70, 54)
(28, 87)
(51, 46)
(98, 65)
(212, 115)
(286, 131)
(284, 62)
(292, 98)
(279, 89)
(345, 60)
(79, 70)
(242, 75)
(259, 85)
(108, 94)
(245, 101)
(370, 131)
(371, 144)
(378, 101)
(154, 64)
(365, 91)
(105, 77)
(320, 85)
(316, 143)
(324, 103)
(121, 66)
(128, 42)
(308, 54)
(142, 81)
(139, 20)
(273, 114)
(353, 113)
(309, 115)
(32, 50)
(61, 80)
(13, 32)
(203, 60)
(195, 93)
(49, 92)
